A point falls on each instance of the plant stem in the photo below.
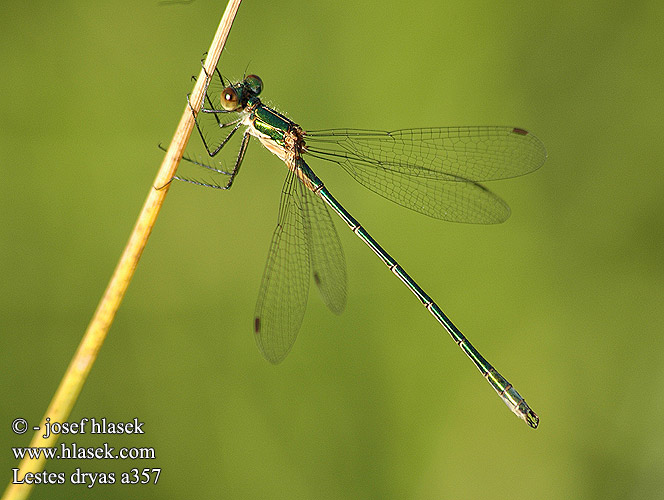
(86, 354)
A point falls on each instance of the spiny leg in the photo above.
(240, 157)
(237, 123)
(234, 172)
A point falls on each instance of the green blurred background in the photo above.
(565, 298)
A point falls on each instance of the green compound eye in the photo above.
(254, 84)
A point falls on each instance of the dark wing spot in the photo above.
(316, 278)
(257, 324)
(519, 131)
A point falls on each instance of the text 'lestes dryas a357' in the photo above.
(434, 171)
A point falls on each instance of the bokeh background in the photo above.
(566, 298)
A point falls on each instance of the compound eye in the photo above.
(229, 99)
(254, 84)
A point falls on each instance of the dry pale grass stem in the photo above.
(81, 364)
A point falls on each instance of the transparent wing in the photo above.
(282, 299)
(327, 257)
(448, 153)
(468, 202)
(434, 171)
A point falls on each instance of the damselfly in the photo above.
(433, 171)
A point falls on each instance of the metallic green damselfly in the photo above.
(433, 171)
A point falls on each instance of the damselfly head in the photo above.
(235, 97)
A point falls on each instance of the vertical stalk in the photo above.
(70, 387)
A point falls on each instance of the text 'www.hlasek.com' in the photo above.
(73, 451)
